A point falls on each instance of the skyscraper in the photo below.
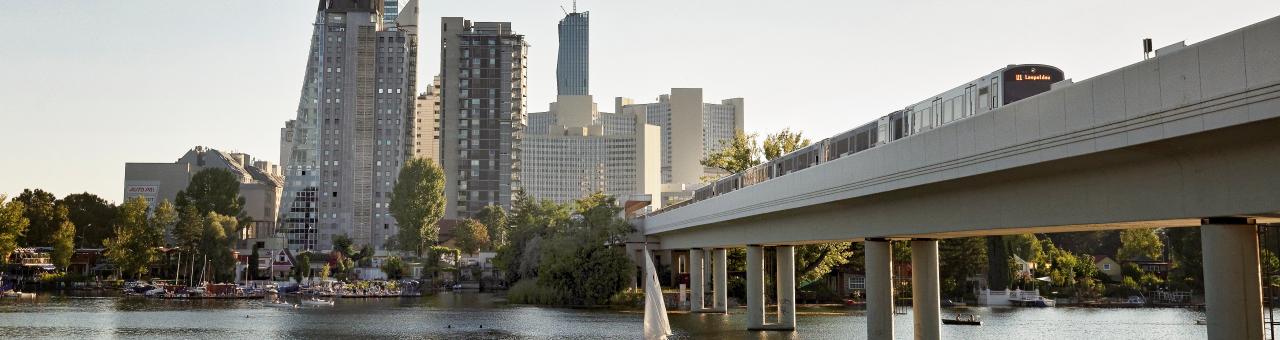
(483, 113)
(426, 124)
(348, 140)
(390, 10)
(572, 63)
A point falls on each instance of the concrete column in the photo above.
(925, 295)
(1232, 278)
(879, 288)
(786, 287)
(707, 280)
(695, 280)
(755, 287)
(721, 277)
(633, 275)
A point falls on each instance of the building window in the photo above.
(1106, 266)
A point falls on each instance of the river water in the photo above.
(487, 316)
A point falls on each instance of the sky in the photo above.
(86, 86)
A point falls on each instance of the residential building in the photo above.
(260, 184)
(574, 150)
(483, 113)
(572, 63)
(685, 121)
(425, 139)
(350, 135)
(390, 10)
(1108, 267)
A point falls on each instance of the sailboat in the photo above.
(656, 326)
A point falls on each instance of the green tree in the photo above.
(216, 243)
(252, 272)
(302, 268)
(579, 261)
(12, 225)
(471, 236)
(736, 155)
(342, 243)
(531, 222)
(1026, 246)
(959, 259)
(393, 267)
(783, 142)
(325, 272)
(213, 190)
(813, 261)
(189, 229)
(45, 218)
(1138, 244)
(92, 216)
(1188, 265)
(64, 243)
(134, 246)
(165, 217)
(495, 220)
(417, 203)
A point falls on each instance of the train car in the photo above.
(989, 92)
(999, 88)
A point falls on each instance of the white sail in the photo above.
(656, 326)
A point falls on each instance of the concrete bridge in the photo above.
(1190, 137)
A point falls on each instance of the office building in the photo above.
(691, 129)
(572, 63)
(349, 138)
(574, 150)
(260, 185)
(483, 113)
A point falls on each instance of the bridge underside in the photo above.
(1232, 171)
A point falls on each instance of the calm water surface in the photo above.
(486, 316)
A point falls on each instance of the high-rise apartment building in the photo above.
(390, 10)
(574, 150)
(349, 137)
(691, 129)
(483, 113)
(572, 63)
(425, 139)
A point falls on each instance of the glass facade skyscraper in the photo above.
(572, 66)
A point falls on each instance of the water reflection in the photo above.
(486, 316)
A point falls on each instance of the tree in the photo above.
(324, 272)
(303, 267)
(471, 236)
(189, 229)
(393, 267)
(783, 142)
(216, 242)
(531, 221)
(64, 243)
(44, 216)
(495, 220)
(12, 225)
(165, 218)
(959, 259)
(253, 263)
(417, 203)
(1026, 246)
(92, 216)
(813, 261)
(343, 244)
(1136, 244)
(1188, 263)
(133, 247)
(737, 155)
(213, 190)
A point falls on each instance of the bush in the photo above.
(631, 297)
(51, 277)
(528, 291)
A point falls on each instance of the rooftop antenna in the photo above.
(562, 10)
(575, 6)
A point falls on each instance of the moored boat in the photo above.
(317, 302)
(963, 319)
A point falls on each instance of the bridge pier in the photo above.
(707, 265)
(926, 300)
(720, 301)
(879, 288)
(1232, 278)
(786, 282)
(696, 280)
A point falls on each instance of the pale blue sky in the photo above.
(86, 86)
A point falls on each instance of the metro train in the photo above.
(989, 92)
